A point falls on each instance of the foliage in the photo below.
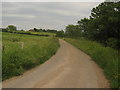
(22, 52)
(11, 28)
(105, 21)
(106, 57)
(4, 30)
(44, 30)
(60, 34)
(102, 26)
(73, 31)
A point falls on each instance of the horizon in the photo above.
(45, 15)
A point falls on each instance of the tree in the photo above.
(4, 29)
(22, 30)
(72, 31)
(51, 31)
(84, 27)
(35, 29)
(106, 21)
(12, 28)
(60, 33)
(102, 26)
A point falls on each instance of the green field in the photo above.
(105, 57)
(44, 33)
(33, 33)
(22, 52)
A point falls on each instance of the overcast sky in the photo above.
(48, 15)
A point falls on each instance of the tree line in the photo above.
(44, 30)
(11, 28)
(103, 25)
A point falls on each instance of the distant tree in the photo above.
(12, 28)
(60, 33)
(44, 30)
(72, 31)
(22, 30)
(51, 31)
(4, 29)
(84, 27)
(40, 30)
(35, 29)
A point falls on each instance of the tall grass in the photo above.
(22, 52)
(105, 57)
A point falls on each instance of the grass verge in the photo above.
(105, 57)
(22, 52)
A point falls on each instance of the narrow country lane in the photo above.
(68, 68)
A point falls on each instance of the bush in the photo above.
(113, 42)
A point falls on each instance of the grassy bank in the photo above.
(22, 52)
(105, 57)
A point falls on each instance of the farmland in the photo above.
(105, 57)
(22, 52)
(32, 33)
(44, 33)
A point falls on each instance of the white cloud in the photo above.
(54, 0)
(18, 16)
(28, 15)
